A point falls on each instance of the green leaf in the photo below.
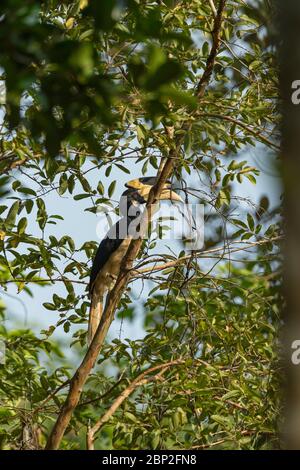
(71, 184)
(123, 168)
(12, 214)
(29, 191)
(140, 134)
(251, 223)
(108, 170)
(78, 197)
(205, 48)
(67, 325)
(155, 440)
(111, 188)
(100, 188)
(223, 420)
(63, 184)
(22, 225)
(29, 205)
(251, 178)
(131, 417)
(49, 306)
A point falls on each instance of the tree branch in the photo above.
(181, 260)
(216, 37)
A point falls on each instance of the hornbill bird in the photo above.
(113, 248)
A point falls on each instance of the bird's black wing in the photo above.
(107, 246)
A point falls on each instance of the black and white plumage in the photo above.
(112, 249)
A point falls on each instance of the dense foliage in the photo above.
(98, 87)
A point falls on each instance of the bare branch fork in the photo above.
(89, 360)
(142, 379)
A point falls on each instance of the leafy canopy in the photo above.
(97, 88)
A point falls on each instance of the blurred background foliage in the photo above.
(86, 86)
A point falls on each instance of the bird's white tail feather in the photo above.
(95, 315)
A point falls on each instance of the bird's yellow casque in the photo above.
(113, 248)
(144, 185)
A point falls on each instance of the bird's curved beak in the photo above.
(169, 194)
(144, 185)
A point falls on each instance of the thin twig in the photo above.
(213, 8)
(50, 396)
(181, 260)
(241, 124)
